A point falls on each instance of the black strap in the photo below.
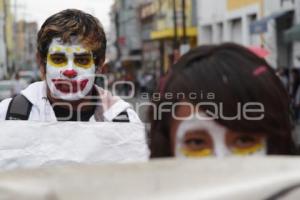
(122, 117)
(19, 108)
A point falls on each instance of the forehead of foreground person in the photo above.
(235, 76)
(67, 24)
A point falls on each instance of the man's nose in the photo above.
(70, 73)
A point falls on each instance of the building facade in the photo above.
(10, 43)
(129, 30)
(170, 31)
(227, 21)
(3, 54)
(7, 42)
(279, 16)
(151, 60)
(125, 39)
(297, 42)
(6, 39)
(260, 23)
(26, 40)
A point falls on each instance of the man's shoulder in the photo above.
(32, 93)
(39, 85)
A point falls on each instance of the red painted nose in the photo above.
(70, 73)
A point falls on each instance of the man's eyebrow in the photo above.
(57, 54)
(83, 54)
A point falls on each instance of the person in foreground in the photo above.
(221, 101)
(70, 51)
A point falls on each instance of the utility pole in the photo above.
(117, 25)
(16, 6)
(5, 12)
(176, 51)
(183, 7)
(15, 36)
(175, 41)
(185, 46)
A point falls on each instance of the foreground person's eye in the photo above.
(245, 144)
(245, 141)
(197, 144)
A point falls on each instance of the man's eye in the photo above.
(58, 59)
(82, 61)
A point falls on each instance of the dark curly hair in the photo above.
(72, 22)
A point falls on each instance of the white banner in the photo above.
(252, 178)
(34, 144)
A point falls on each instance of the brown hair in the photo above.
(235, 75)
(72, 22)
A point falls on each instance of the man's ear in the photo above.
(41, 65)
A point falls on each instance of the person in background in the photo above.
(18, 85)
(231, 103)
(283, 76)
(294, 84)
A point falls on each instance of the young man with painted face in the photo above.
(70, 50)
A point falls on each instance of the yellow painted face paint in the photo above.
(69, 50)
(85, 61)
(55, 49)
(248, 151)
(197, 154)
(56, 62)
(77, 49)
(59, 49)
(218, 135)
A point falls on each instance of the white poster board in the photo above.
(34, 144)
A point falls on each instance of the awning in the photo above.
(169, 33)
(293, 34)
(261, 26)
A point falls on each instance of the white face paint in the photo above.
(217, 134)
(70, 70)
